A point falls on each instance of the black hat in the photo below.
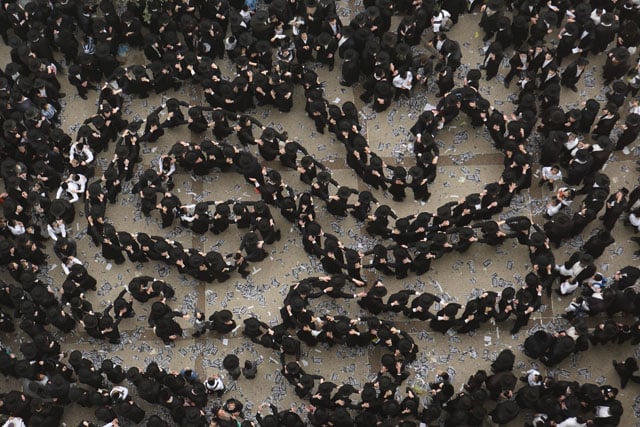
(379, 291)
(251, 239)
(586, 259)
(324, 38)
(230, 362)
(263, 47)
(90, 321)
(632, 120)
(365, 197)
(443, 212)
(465, 233)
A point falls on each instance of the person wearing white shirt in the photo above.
(403, 82)
(16, 227)
(533, 377)
(119, 393)
(549, 175)
(57, 228)
(166, 168)
(214, 384)
(72, 187)
(14, 422)
(564, 197)
(81, 152)
(571, 422)
(66, 265)
(188, 212)
(441, 21)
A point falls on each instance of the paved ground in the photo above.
(468, 161)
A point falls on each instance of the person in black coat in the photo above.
(130, 410)
(168, 329)
(325, 49)
(111, 248)
(616, 205)
(80, 80)
(596, 245)
(568, 37)
(617, 64)
(625, 371)
(630, 131)
(579, 167)
(605, 32)
(304, 45)
(350, 68)
(445, 81)
(571, 75)
(537, 344)
(445, 318)
(493, 60)
(561, 347)
(65, 247)
(372, 301)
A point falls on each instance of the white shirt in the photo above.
(571, 422)
(17, 229)
(72, 191)
(15, 422)
(56, 229)
(548, 174)
(531, 377)
(124, 392)
(403, 82)
(216, 386)
(70, 262)
(86, 151)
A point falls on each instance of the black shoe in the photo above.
(506, 84)
(343, 83)
(331, 67)
(573, 88)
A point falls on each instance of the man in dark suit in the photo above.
(536, 57)
(304, 44)
(518, 64)
(550, 77)
(325, 48)
(573, 72)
